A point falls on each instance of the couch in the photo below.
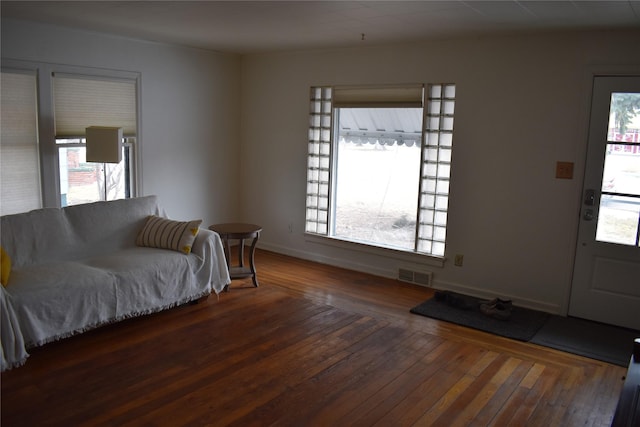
(79, 267)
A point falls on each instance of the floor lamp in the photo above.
(104, 145)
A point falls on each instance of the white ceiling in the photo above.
(262, 26)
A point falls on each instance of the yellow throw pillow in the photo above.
(168, 234)
(5, 267)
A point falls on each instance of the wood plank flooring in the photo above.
(312, 346)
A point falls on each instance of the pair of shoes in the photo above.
(505, 302)
(455, 300)
(497, 308)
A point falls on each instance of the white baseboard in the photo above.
(336, 262)
(437, 284)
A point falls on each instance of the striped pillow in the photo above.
(167, 234)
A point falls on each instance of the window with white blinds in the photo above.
(369, 130)
(80, 102)
(19, 161)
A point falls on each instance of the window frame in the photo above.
(321, 142)
(128, 144)
(335, 189)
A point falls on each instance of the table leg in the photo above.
(241, 252)
(252, 264)
(227, 256)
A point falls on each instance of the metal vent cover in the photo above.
(422, 278)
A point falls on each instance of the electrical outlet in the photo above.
(290, 227)
(458, 260)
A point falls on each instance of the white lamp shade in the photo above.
(104, 144)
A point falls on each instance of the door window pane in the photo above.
(622, 169)
(624, 120)
(618, 220)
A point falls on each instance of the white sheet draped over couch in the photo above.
(76, 268)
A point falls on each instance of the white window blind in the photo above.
(80, 102)
(383, 97)
(20, 166)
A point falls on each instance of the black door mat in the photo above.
(522, 325)
(608, 343)
(586, 338)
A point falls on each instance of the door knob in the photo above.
(588, 215)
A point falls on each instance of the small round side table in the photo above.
(239, 231)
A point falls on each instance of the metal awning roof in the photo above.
(385, 126)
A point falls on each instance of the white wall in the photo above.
(521, 106)
(190, 105)
(225, 139)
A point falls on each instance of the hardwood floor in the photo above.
(313, 345)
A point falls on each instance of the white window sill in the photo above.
(398, 254)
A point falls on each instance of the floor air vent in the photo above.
(422, 278)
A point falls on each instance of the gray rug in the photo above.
(595, 340)
(598, 341)
(522, 325)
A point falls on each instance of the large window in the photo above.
(379, 165)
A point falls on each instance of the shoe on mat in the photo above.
(497, 310)
(441, 296)
(456, 300)
(505, 302)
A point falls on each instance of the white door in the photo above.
(606, 277)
